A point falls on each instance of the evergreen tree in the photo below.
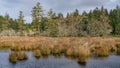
(52, 24)
(37, 15)
(6, 21)
(115, 20)
(97, 22)
(21, 21)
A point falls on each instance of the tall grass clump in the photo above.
(113, 49)
(102, 51)
(13, 57)
(22, 56)
(3, 46)
(37, 53)
(83, 54)
(45, 51)
(59, 50)
(16, 48)
(70, 52)
(118, 49)
(80, 54)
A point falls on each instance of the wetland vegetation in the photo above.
(79, 49)
(50, 38)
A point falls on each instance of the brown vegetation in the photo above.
(78, 48)
(118, 49)
(37, 53)
(22, 56)
(102, 51)
(79, 53)
(15, 56)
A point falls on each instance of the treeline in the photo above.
(97, 22)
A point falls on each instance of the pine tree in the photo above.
(21, 21)
(52, 24)
(115, 20)
(6, 21)
(37, 15)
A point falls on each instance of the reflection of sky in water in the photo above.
(52, 62)
(109, 62)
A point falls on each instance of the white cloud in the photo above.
(113, 0)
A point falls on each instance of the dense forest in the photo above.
(97, 22)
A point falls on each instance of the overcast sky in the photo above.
(14, 6)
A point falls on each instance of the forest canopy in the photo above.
(96, 22)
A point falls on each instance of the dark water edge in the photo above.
(113, 61)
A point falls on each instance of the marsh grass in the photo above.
(22, 56)
(113, 49)
(70, 52)
(13, 58)
(45, 52)
(37, 53)
(56, 50)
(118, 45)
(102, 51)
(80, 53)
(16, 48)
(118, 49)
(75, 47)
(83, 54)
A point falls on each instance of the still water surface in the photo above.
(112, 61)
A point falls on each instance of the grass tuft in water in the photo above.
(102, 51)
(37, 53)
(22, 56)
(13, 58)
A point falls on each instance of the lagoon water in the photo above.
(112, 61)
